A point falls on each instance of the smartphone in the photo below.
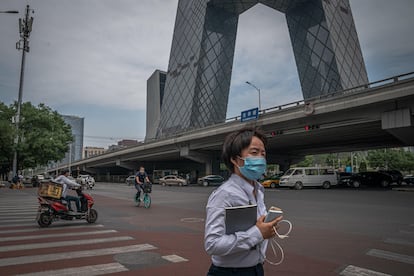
(273, 213)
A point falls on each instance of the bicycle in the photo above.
(146, 199)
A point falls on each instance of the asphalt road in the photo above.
(335, 232)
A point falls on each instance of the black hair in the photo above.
(63, 171)
(237, 141)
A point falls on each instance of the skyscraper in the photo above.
(75, 148)
(323, 36)
(155, 95)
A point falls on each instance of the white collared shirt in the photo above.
(241, 249)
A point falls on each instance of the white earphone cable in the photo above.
(274, 243)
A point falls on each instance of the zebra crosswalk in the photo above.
(64, 248)
(403, 241)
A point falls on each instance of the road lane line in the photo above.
(7, 211)
(391, 256)
(17, 220)
(13, 208)
(61, 243)
(17, 224)
(90, 270)
(49, 229)
(352, 270)
(21, 238)
(174, 258)
(8, 218)
(399, 241)
(74, 254)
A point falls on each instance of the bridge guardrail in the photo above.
(348, 91)
(358, 88)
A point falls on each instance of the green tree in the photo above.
(393, 159)
(307, 162)
(44, 136)
(7, 133)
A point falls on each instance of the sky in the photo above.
(92, 58)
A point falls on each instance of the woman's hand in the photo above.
(267, 228)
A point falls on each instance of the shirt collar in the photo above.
(246, 186)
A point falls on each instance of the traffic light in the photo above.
(311, 127)
(276, 132)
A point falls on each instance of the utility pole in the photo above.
(25, 28)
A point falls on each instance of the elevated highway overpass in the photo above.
(376, 115)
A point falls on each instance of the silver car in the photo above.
(173, 180)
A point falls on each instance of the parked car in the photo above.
(27, 180)
(408, 180)
(344, 178)
(271, 181)
(396, 176)
(370, 179)
(173, 180)
(130, 180)
(210, 180)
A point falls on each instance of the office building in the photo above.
(75, 148)
(324, 41)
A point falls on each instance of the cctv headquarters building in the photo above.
(194, 91)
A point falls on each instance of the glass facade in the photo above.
(155, 97)
(76, 147)
(323, 36)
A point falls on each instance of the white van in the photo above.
(309, 176)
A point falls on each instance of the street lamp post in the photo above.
(258, 90)
(25, 27)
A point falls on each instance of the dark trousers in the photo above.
(70, 198)
(256, 270)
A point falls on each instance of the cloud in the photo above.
(92, 58)
(97, 52)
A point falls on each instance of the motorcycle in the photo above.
(51, 209)
(89, 184)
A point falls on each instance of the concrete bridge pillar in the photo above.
(127, 165)
(199, 157)
(400, 123)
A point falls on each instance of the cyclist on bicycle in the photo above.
(140, 179)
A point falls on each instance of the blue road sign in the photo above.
(251, 114)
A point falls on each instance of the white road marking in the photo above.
(61, 243)
(74, 254)
(90, 270)
(14, 212)
(48, 229)
(27, 223)
(17, 220)
(352, 270)
(391, 256)
(8, 218)
(399, 241)
(20, 238)
(25, 208)
(174, 258)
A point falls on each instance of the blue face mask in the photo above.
(254, 167)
